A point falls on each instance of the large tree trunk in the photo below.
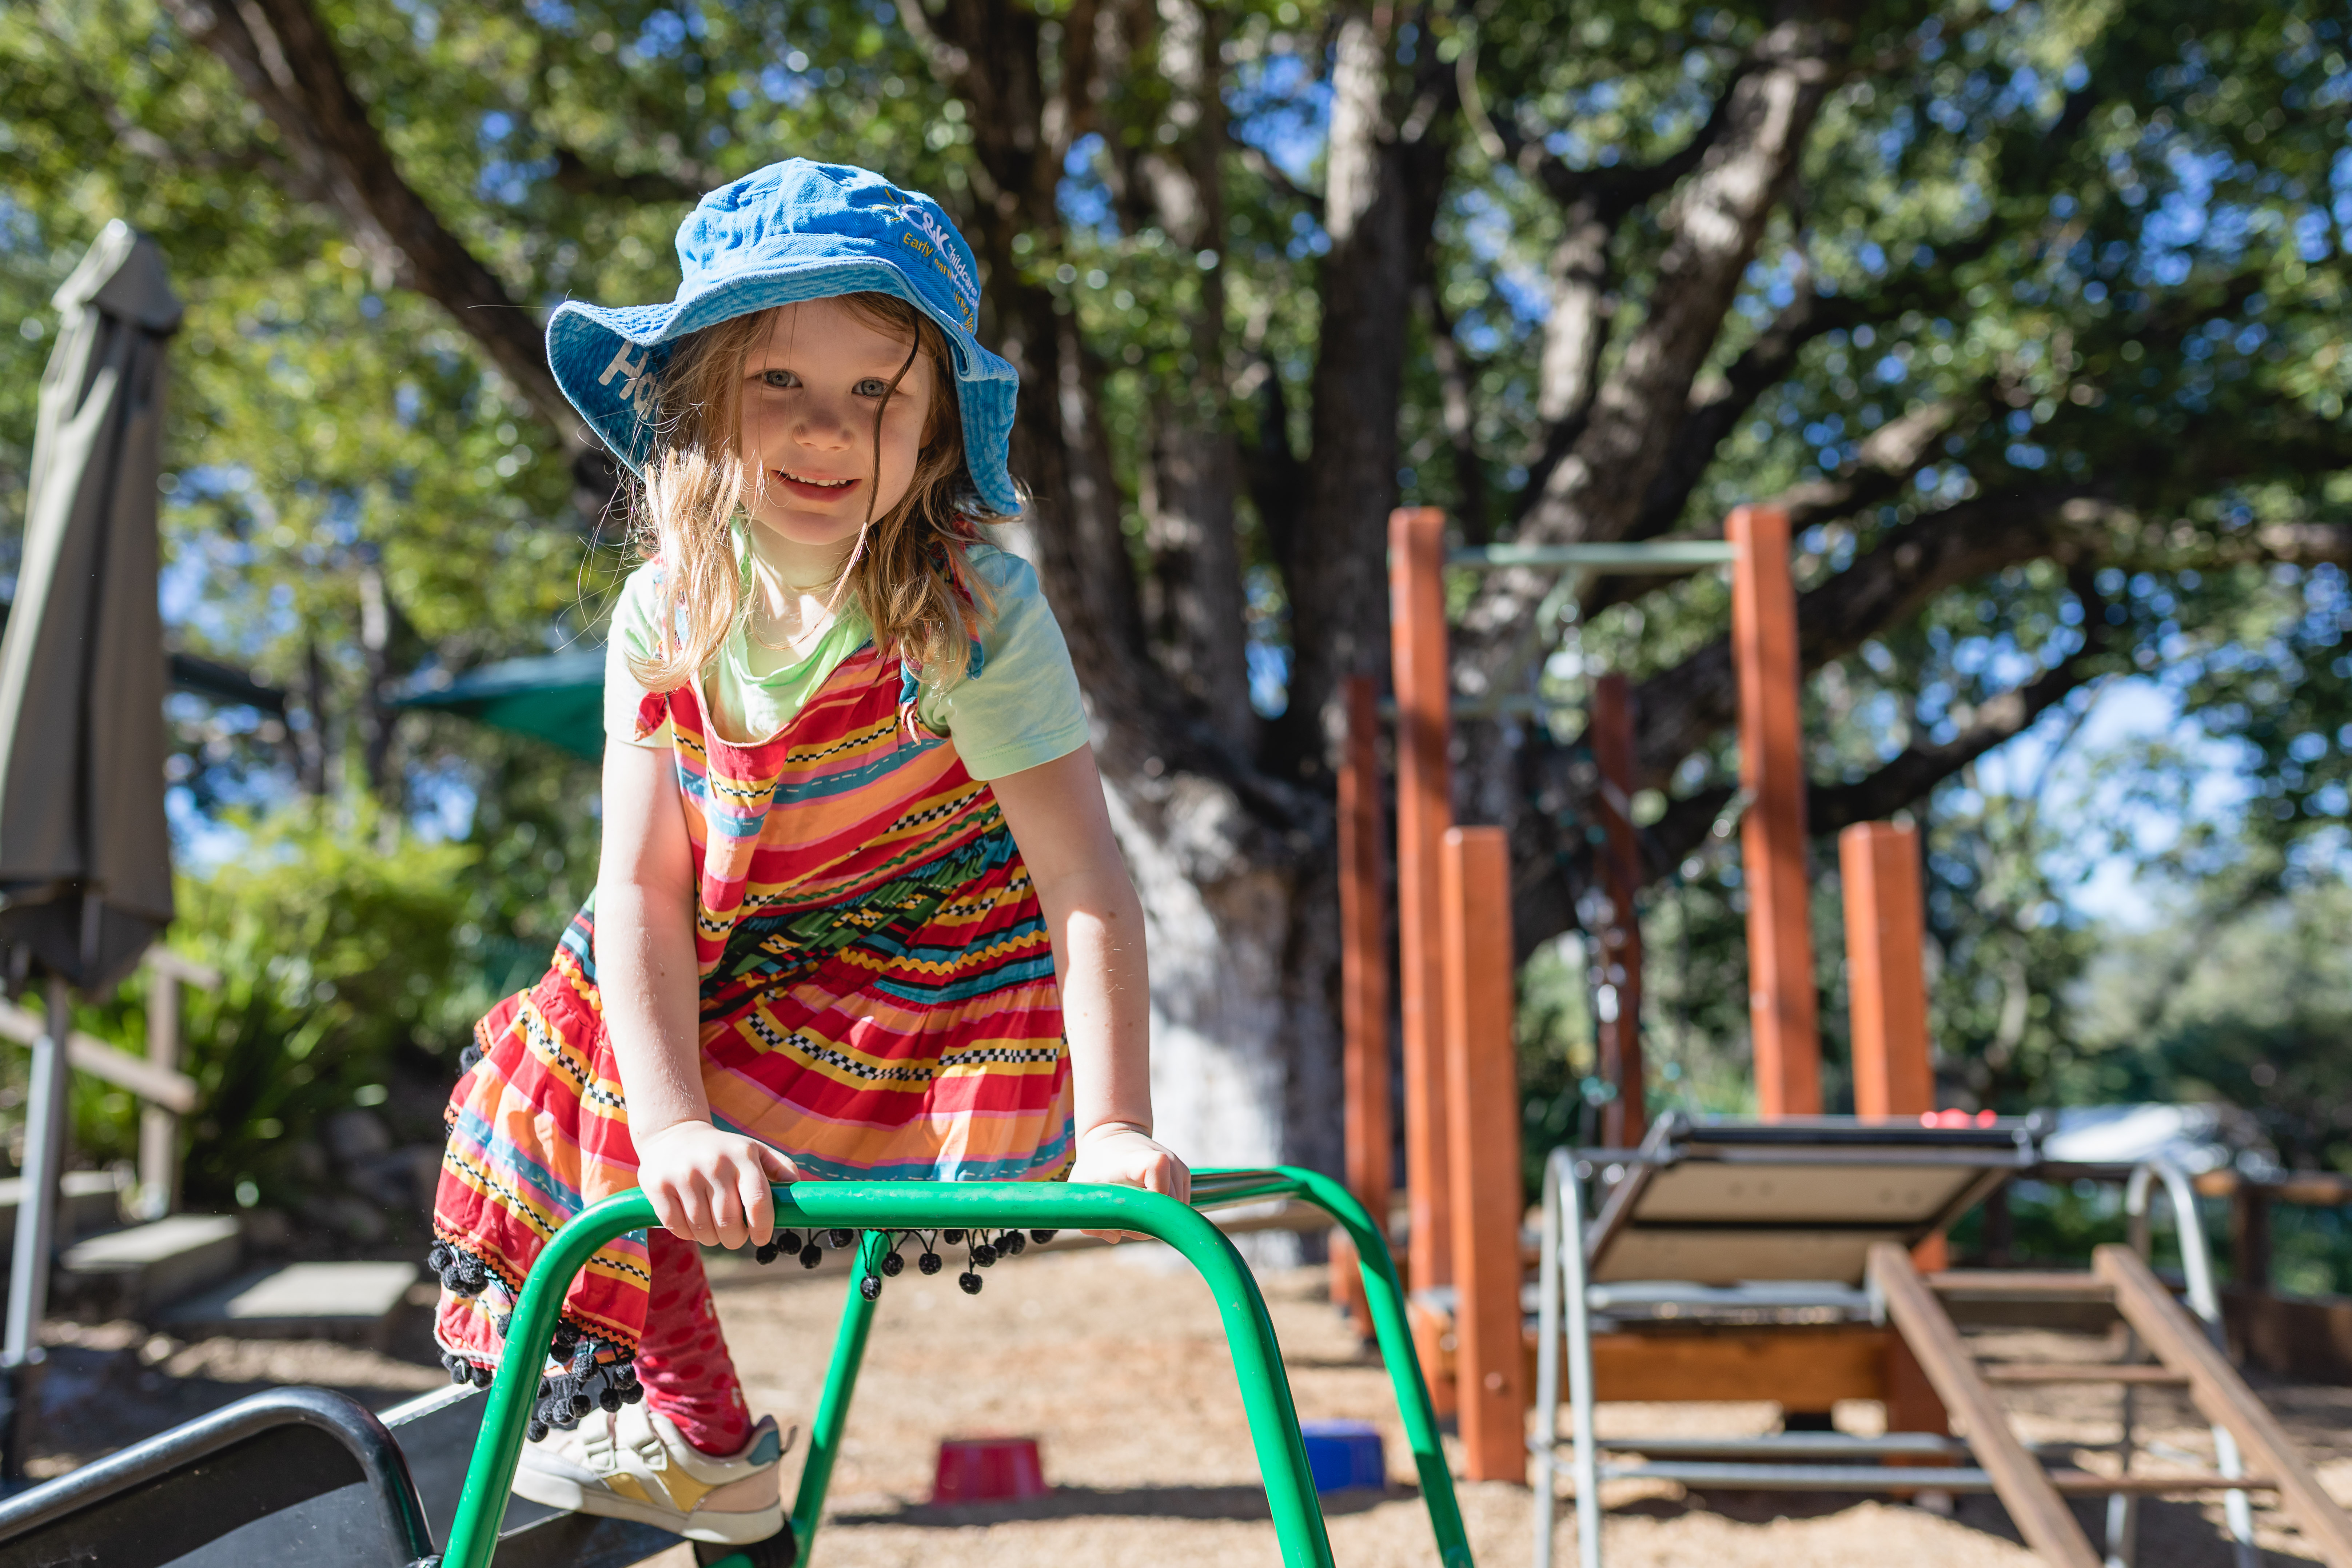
(1235, 870)
(1384, 172)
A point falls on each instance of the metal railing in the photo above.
(878, 1207)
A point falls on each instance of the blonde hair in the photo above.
(908, 570)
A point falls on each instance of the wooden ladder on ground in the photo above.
(2184, 1357)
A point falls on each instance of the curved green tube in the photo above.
(934, 1205)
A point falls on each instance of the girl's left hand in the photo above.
(1127, 1156)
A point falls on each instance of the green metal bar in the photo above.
(1217, 1189)
(482, 1505)
(1384, 1292)
(832, 1405)
(1660, 555)
(923, 1205)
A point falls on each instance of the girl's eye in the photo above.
(779, 378)
(872, 386)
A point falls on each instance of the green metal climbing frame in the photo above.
(873, 1207)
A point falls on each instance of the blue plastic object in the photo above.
(1344, 1455)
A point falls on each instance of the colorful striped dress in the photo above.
(878, 999)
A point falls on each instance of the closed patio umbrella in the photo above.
(85, 856)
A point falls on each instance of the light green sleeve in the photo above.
(632, 632)
(1021, 709)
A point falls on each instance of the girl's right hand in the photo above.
(709, 1186)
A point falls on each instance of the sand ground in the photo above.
(1113, 1360)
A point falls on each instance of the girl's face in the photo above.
(810, 388)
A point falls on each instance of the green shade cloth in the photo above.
(558, 698)
(84, 854)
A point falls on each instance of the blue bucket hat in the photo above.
(793, 231)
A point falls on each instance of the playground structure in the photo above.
(1896, 1340)
(302, 1476)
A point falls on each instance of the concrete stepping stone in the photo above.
(352, 1301)
(138, 1270)
(92, 1200)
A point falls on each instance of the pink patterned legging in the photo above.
(683, 1361)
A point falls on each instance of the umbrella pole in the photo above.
(46, 1110)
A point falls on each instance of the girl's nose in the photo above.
(822, 423)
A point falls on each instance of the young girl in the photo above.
(859, 912)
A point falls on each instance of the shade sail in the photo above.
(84, 857)
(558, 698)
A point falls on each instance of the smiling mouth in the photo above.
(791, 477)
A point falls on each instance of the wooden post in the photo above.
(2250, 1236)
(1617, 995)
(1782, 1009)
(1886, 983)
(1886, 977)
(158, 1129)
(1424, 732)
(1363, 987)
(1481, 1107)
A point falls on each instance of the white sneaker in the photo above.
(632, 1464)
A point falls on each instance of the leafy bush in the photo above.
(342, 944)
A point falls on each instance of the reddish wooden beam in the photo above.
(1617, 993)
(1424, 729)
(1482, 1106)
(1363, 985)
(1783, 1008)
(1886, 983)
(1886, 969)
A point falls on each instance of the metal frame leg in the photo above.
(1546, 1441)
(840, 1387)
(1580, 1374)
(2196, 1266)
(1384, 1294)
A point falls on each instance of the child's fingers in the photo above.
(667, 1212)
(779, 1167)
(694, 1210)
(759, 1204)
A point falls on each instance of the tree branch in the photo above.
(1460, 414)
(1683, 706)
(1256, 162)
(650, 187)
(1713, 221)
(1918, 768)
(281, 56)
(1612, 190)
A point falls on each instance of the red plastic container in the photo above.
(988, 1469)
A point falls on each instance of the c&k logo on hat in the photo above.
(948, 257)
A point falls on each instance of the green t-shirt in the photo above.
(1022, 709)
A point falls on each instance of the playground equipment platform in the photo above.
(1747, 1232)
(302, 1475)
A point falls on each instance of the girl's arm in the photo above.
(707, 1186)
(1057, 813)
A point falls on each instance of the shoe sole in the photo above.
(568, 1496)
